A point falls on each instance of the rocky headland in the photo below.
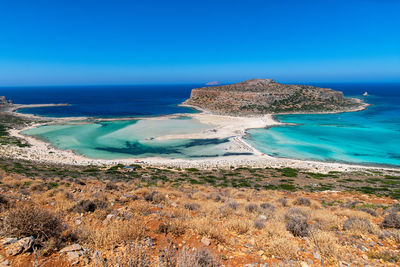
(265, 96)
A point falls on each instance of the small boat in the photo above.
(365, 94)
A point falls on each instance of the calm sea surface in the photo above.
(369, 137)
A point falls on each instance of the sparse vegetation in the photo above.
(302, 201)
(130, 218)
(391, 220)
(25, 221)
(358, 225)
(296, 223)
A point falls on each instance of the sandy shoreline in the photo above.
(233, 128)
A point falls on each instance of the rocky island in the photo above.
(262, 96)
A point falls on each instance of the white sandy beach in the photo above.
(230, 127)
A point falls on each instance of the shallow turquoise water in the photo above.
(371, 136)
(127, 139)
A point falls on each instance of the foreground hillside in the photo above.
(261, 96)
(141, 216)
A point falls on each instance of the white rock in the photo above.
(74, 247)
(262, 217)
(206, 241)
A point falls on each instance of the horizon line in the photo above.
(191, 83)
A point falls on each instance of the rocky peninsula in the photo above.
(265, 96)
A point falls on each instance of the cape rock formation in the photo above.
(262, 96)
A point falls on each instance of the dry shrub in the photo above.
(101, 215)
(111, 186)
(352, 213)
(207, 227)
(238, 225)
(267, 206)
(298, 225)
(251, 208)
(173, 227)
(140, 208)
(386, 255)
(191, 206)
(302, 201)
(370, 211)
(228, 209)
(214, 196)
(182, 214)
(155, 197)
(84, 206)
(27, 220)
(297, 222)
(359, 225)
(197, 258)
(39, 187)
(282, 248)
(50, 246)
(325, 220)
(135, 255)
(3, 203)
(159, 198)
(62, 202)
(395, 235)
(297, 212)
(225, 211)
(233, 205)
(259, 224)
(170, 257)
(116, 232)
(274, 230)
(392, 220)
(326, 243)
(315, 205)
(283, 202)
(142, 191)
(199, 196)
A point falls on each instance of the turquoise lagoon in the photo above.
(131, 138)
(371, 136)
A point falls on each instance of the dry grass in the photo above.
(238, 225)
(174, 227)
(327, 244)
(282, 248)
(139, 208)
(134, 255)
(208, 227)
(325, 220)
(116, 232)
(302, 201)
(359, 226)
(392, 220)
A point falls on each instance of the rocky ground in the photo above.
(119, 217)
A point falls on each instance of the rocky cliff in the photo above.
(261, 96)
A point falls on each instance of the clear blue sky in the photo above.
(51, 42)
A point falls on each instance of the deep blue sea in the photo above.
(103, 101)
(368, 137)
